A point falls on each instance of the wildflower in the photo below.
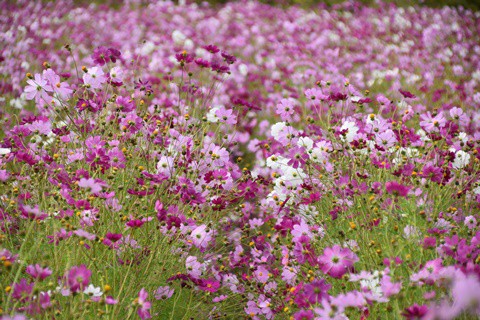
(38, 89)
(5, 151)
(286, 109)
(110, 300)
(61, 89)
(94, 78)
(211, 48)
(37, 272)
(77, 278)
(230, 59)
(261, 274)
(316, 291)
(194, 267)
(348, 131)
(102, 55)
(93, 291)
(163, 293)
(22, 290)
(201, 236)
(466, 294)
(226, 116)
(300, 230)
(143, 312)
(415, 312)
(470, 222)
(462, 159)
(115, 76)
(430, 123)
(397, 189)
(407, 94)
(212, 114)
(411, 232)
(336, 261)
(303, 315)
(386, 139)
(95, 187)
(209, 285)
(459, 115)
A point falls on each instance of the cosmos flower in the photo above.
(336, 261)
(78, 278)
(94, 78)
(38, 89)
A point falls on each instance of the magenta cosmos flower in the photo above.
(38, 272)
(397, 189)
(144, 309)
(336, 261)
(78, 278)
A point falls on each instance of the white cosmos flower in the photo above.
(212, 114)
(276, 129)
(4, 151)
(461, 159)
(93, 291)
(352, 130)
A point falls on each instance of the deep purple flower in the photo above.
(407, 94)
(211, 48)
(102, 55)
(230, 59)
(415, 312)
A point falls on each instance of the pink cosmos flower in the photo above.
(91, 184)
(336, 261)
(389, 288)
(38, 272)
(163, 293)
(466, 294)
(94, 78)
(316, 291)
(61, 89)
(226, 116)
(77, 278)
(38, 89)
(458, 114)
(116, 76)
(194, 267)
(110, 300)
(304, 315)
(386, 139)
(201, 237)
(131, 122)
(286, 109)
(261, 274)
(300, 230)
(143, 311)
(22, 290)
(430, 123)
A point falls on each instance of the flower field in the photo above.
(187, 161)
